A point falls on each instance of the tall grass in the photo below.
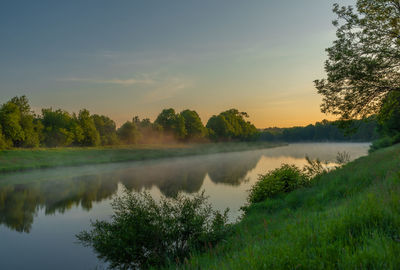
(348, 219)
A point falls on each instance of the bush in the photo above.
(277, 181)
(383, 142)
(143, 233)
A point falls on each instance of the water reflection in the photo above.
(22, 195)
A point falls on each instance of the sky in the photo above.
(126, 58)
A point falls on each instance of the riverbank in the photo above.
(29, 159)
(348, 219)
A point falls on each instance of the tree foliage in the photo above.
(106, 128)
(231, 125)
(91, 136)
(172, 123)
(60, 128)
(363, 63)
(20, 127)
(280, 180)
(144, 233)
(193, 125)
(365, 131)
(128, 133)
(18, 123)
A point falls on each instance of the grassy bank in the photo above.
(349, 219)
(27, 159)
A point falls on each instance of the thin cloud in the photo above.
(166, 90)
(124, 82)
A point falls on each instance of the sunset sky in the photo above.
(126, 58)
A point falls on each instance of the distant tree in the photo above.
(149, 132)
(106, 128)
(231, 124)
(167, 119)
(128, 133)
(91, 136)
(219, 128)
(172, 123)
(193, 125)
(363, 63)
(19, 124)
(324, 131)
(59, 128)
(10, 119)
(179, 130)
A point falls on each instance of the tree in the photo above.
(172, 123)
(363, 63)
(193, 125)
(144, 233)
(10, 118)
(230, 125)
(219, 128)
(106, 128)
(19, 124)
(91, 136)
(59, 128)
(149, 132)
(128, 133)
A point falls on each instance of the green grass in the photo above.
(348, 219)
(28, 159)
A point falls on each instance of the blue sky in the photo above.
(126, 58)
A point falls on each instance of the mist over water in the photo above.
(41, 211)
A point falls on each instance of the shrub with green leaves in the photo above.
(143, 233)
(281, 180)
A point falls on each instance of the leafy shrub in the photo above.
(383, 142)
(277, 181)
(143, 233)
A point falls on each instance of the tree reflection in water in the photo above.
(57, 190)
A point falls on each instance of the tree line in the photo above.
(356, 130)
(22, 128)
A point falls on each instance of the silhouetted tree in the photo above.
(363, 63)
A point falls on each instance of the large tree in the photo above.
(172, 123)
(231, 125)
(193, 125)
(363, 65)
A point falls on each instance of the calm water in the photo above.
(41, 211)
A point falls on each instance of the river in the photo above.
(41, 211)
